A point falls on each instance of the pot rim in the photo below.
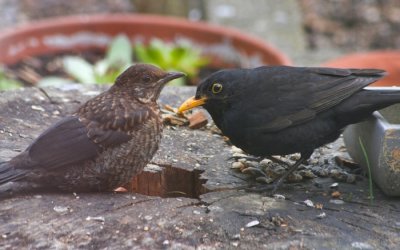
(160, 21)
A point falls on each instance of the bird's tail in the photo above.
(382, 97)
(9, 173)
(363, 103)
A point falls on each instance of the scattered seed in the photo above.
(38, 108)
(361, 245)
(307, 174)
(174, 120)
(61, 209)
(253, 223)
(336, 201)
(170, 108)
(237, 165)
(279, 197)
(336, 194)
(309, 203)
(253, 171)
(265, 163)
(120, 190)
(238, 155)
(96, 218)
(236, 150)
(236, 237)
(23, 136)
(334, 185)
(252, 164)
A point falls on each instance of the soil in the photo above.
(213, 210)
(30, 70)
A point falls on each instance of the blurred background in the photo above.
(308, 31)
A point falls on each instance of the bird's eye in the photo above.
(216, 88)
(146, 78)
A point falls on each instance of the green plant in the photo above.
(371, 193)
(7, 83)
(171, 57)
(181, 56)
(118, 58)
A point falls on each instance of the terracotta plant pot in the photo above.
(78, 33)
(380, 135)
(387, 60)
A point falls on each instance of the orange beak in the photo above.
(190, 103)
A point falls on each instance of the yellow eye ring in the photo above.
(216, 88)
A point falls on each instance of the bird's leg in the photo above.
(279, 161)
(292, 168)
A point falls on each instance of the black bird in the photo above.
(107, 141)
(280, 110)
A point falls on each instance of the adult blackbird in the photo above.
(279, 110)
(104, 143)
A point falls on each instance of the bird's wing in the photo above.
(298, 95)
(66, 142)
(72, 141)
(111, 132)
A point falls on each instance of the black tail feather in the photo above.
(8, 173)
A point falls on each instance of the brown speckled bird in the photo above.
(104, 144)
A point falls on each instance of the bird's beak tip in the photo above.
(190, 103)
(172, 75)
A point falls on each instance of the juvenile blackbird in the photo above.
(107, 141)
(280, 110)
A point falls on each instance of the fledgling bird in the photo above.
(280, 110)
(107, 141)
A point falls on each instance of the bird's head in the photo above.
(217, 92)
(144, 81)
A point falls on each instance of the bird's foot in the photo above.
(277, 183)
(279, 161)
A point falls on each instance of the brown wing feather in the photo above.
(64, 143)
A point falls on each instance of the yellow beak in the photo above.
(191, 103)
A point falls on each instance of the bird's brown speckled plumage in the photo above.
(107, 141)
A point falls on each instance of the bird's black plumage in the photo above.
(279, 110)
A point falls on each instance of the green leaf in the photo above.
(79, 69)
(6, 83)
(101, 67)
(119, 52)
(180, 57)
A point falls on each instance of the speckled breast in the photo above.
(117, 165)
